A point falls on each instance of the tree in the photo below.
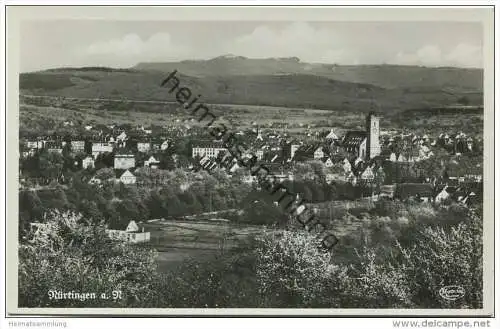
(319, 170)
(69, 253)
(105, 174)
(30, 209)
(294, 271)
(157, 205)
(166, 162)
(104, 160)
(50, 164)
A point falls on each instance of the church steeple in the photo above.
(373, 131)
(259, 136)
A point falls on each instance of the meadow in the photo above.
(51, 118)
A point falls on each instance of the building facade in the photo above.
(124, 161)
(373, 130)
(78, 146)
(99, 148)
(210, 150)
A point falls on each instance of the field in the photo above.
(181, 239)
(240, 117)
(176, 240)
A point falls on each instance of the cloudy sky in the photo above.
(125, 43)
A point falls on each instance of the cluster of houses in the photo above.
(360, 155)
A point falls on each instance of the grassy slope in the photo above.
(294, 90)
(387, 76)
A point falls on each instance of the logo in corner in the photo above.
(452, 292)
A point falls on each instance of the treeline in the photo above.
(400, 256)
(181, 193)
(167, 194)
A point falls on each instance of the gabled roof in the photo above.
(127, 172)
(354, 138)
(331, 135)
(132, 227)
(208, 144)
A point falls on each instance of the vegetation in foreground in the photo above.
(399, 258)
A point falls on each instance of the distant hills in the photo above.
(275, 82)
(387, 76)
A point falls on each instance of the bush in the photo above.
(412, 276)
(68, 254)
(442, 257)
(219, 282)
(293, 270)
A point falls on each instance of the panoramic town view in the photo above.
(251, 178)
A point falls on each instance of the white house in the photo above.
(393, 158)
(368, 174)
(347, 166)
(122, 137)
(132, 227)
(234, 167)
(88, 162)
(151, 162)
(331, 136)
(143, 147)
(34, 144)
(259, 154)
(78, 146)
(124, 161)
(248, 179)
(443, 195)
(95, 181)
(99, 148)
(164, 146)
(130, 235)
(318, 153)
(208, 149)
(127, 178)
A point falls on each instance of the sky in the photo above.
(122, 44)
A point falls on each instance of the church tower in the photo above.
(373, 131)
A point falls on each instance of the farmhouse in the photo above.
(132, 234)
